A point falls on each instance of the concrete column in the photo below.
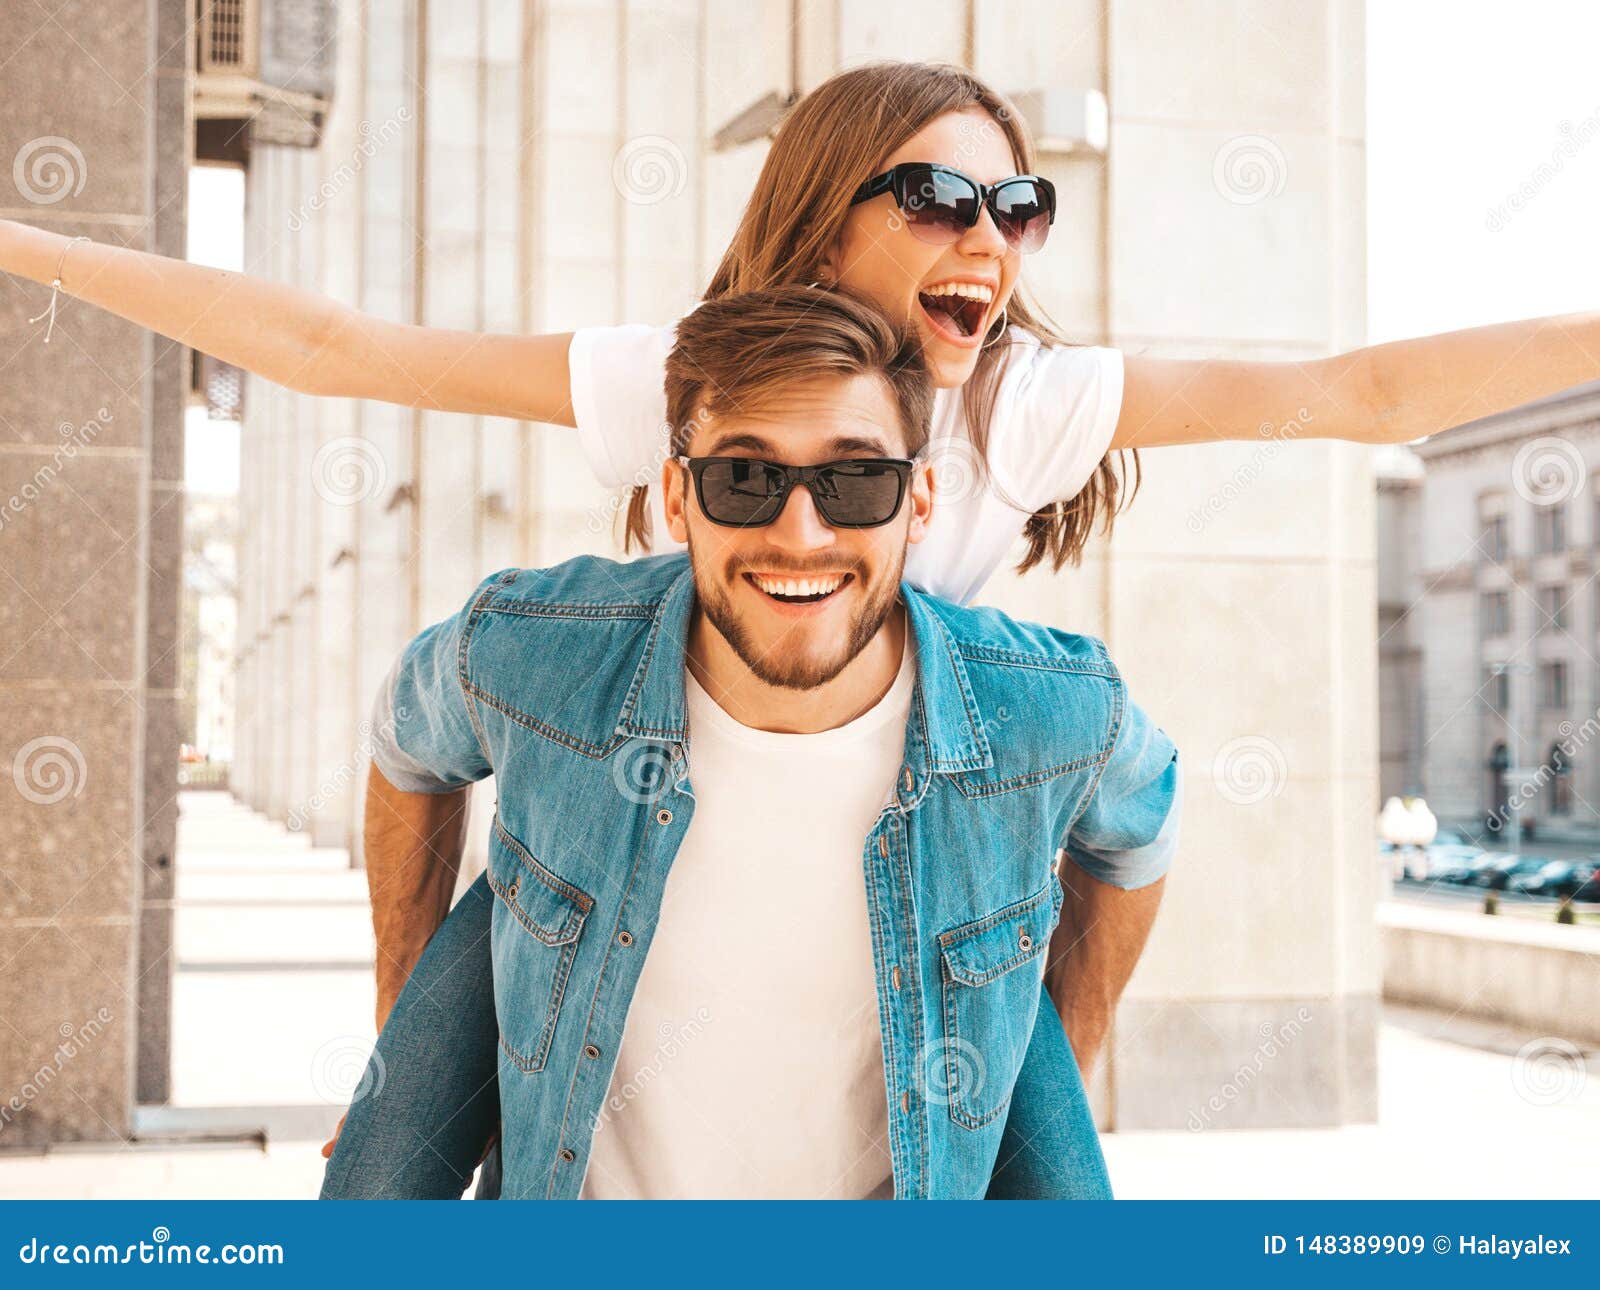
(1256, 1003)
(89, 469)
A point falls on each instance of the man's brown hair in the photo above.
(744, 350)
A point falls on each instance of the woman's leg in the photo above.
(1051, 1149)
(433, 1097)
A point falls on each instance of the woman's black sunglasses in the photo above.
(747, 492)
(940, 203)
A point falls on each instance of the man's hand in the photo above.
(1093, 952)
(413, 844)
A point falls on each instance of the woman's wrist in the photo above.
(28, 252)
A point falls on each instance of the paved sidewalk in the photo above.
(272, 1021)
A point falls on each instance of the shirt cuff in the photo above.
(580, 380)
(401, 769)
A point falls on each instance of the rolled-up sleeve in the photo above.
(1127, 831)
(424, 738)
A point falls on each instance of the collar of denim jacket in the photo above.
(946, 733)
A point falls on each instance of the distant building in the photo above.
(1507, 617)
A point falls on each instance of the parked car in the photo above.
(1453, 838)
(1588, 885)
(1498, 876)
(1552, 879)
(1464, 866)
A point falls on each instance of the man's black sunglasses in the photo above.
(748, 492)
(940, 203)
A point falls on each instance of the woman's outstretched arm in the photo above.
(1390, 393)
(300, 339)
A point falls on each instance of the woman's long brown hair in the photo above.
(832, 141)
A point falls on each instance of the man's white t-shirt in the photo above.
(751, 1063)
(1054, 416)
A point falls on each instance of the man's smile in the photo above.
(799, 596)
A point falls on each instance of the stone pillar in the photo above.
(1241, 586)
(91, 499)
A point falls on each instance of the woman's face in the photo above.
(951, 294)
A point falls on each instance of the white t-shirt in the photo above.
(751, 1064)
(1054, 416)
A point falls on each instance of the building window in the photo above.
(1550, 528)
(1497, 690)
(1553, 685)
(1495, 544)
(1553, 607)
(1494, 612)
(1560, 782)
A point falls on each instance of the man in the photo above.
(776, 849)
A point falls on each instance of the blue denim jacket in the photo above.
(567, 684)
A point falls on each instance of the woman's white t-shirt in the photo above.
(1054, 416)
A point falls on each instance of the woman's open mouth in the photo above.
(957, 309)
(799, 595)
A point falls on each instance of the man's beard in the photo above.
(776, 667)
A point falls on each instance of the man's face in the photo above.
(741, 574)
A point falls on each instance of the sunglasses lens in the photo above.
(1022, 212)
(858, 494)
(741, 492)
(938, 207)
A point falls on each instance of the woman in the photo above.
(870, 186)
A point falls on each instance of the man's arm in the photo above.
(1121, 845)
(413, 845)
(1093, 951)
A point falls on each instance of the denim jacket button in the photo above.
(663, 816)
(624, 937)
(566, 1154)
(1024, 941)
(589, 1050)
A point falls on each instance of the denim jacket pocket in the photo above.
(537, 919)
(992, 968)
